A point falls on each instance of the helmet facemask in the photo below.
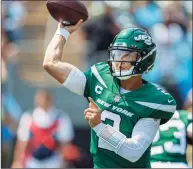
(123, 63)
(131, 41)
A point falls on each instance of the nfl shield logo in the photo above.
(117, 98)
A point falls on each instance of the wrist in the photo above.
(63, 32)
(98, 128)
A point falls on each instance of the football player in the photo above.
(170, 143)
(125, 111)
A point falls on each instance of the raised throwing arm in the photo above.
(53, 55)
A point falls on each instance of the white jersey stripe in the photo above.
(97, 75)
(162, 107)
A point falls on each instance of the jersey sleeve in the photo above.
(76, 82)
(164, 110)
(88, 81)
(23, 131)
(96, 75)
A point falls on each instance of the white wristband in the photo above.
(63, 32)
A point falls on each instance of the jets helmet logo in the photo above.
(145, 38)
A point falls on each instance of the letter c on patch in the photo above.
(98, 89)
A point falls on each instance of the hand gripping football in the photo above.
(67, 12)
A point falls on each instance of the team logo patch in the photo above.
(117, 98)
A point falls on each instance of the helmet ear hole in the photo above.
(138, 67)
(149, 62)
(144, 53)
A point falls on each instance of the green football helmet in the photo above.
(128, 42)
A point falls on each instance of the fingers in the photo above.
(92, 104)
(94, 111)
(89, 114)
(90, 110)
(78, 24)
(88, 117)
(71, 28)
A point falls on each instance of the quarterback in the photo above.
(125, 111)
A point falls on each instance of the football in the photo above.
(67, 12)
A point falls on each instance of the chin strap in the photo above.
(124, 77)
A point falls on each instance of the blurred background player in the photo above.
(42, 135)
(170, 143)
(169, 148)
(8, 136)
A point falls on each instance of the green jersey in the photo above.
(170, 144)
(122, 111)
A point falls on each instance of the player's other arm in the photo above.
(130, 148)
(52, 61)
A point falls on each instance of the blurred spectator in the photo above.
(4, 71)
(99, 33)
(175, 12)
(188, 101)
(13, 19)
(11, 112)
(146, 13)
(78, 157)
(14, 13)
(173, 65)
(8, 126)
(11, 106)
(3, 63)
(42, 135)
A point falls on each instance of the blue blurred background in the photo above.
(27, 29)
